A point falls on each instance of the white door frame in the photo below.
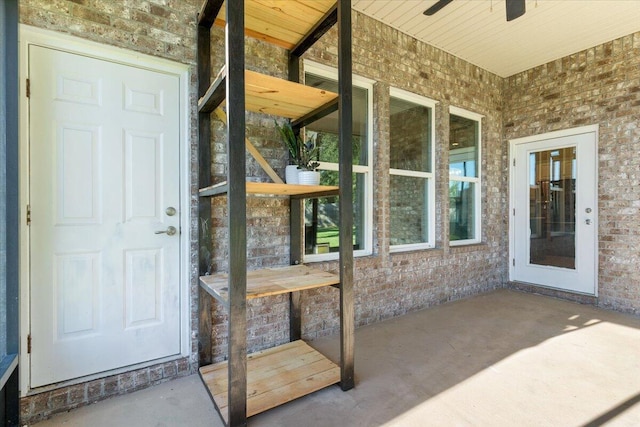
(28, 36)
(512, 179)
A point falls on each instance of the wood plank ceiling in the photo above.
(477, 30)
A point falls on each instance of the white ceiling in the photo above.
(477, 30)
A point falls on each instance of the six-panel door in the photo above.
(104, 175)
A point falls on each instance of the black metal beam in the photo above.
(205, 241)
(236, 202)
(345, 132)
(296, 244)
(316, 114)
(205, 328)
(215, 94)
(296, 225)
(327, 21)
(208, 12)
(205, 246)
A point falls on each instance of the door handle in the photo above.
(587, 221)
(171, 230)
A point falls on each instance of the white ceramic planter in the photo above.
(291, 174)
(309, 177)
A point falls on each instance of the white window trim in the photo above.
(367, 232)
(456, 111)
(429, 176)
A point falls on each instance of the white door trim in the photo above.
(29, 36)
(512, 152)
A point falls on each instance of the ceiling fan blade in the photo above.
(515, 9)
(436, 7)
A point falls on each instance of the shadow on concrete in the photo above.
(503, 358)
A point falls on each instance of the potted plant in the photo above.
(308, 164)
(292, 142)
(301, 155)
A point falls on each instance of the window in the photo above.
(411, 188)
(464, 177)
(321, 215)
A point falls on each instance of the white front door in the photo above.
(104, 180)
(554, 210)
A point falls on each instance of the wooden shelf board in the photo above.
(270, 188)
(274, 377)
(279, 97)
(272, 95)
(269, 95)
(283, 23)
(270, 281)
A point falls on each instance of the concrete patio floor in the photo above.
(501, 359)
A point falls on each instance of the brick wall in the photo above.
(600, 86)
(391, 284)
(386, 285)
(162, 28)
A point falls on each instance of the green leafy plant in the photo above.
(308, 156)
(291, 141)
(302, 154)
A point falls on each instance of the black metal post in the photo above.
(236, 202)
(296, 225)
(345, 133)
(204, 152)
(205, 242)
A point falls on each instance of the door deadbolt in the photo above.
(170, 211)
(171, 230)
(588, 210)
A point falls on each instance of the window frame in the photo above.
(477, 181)
(430, 177)
(331, 73)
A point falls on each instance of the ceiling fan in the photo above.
(515, 8)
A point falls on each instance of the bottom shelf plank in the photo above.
(274, 377)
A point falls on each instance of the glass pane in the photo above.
(463, 146)
(552, 207)
(461, 210)
(327, 127)
(321, 217)
(409, 208)
(410, 136)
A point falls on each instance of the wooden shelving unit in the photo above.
(245, 385)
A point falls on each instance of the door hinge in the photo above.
(514, 212)
(29, 344)
(514, 161)
(28, 88)
(28, 214)
(513, 262)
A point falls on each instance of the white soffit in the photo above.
(477, 30)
